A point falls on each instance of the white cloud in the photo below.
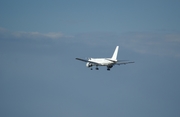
(2, 29)
(173, 38)
(54, 35)
(162, 44)
(32, 35)
(153, 43)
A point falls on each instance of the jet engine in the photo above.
(88, 64)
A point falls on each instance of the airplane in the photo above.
(108, 62)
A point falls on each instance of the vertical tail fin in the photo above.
(114, 57)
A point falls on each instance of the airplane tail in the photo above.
(114, 57)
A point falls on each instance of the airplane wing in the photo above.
(123, 63)
(82, 60)
(88, 61)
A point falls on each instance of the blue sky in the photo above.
(90, 16)
(39, 41)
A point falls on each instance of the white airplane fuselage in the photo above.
(101, 61)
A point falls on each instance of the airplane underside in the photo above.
(108, 67)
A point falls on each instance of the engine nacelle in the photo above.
(88, 64)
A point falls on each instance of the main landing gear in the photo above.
(96, 68)
(108, 69)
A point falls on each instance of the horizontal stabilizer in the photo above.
(124, 63)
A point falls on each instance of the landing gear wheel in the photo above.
(108, 69)
(97, 68)
(91, 69)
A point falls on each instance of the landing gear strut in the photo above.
(109, 67)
